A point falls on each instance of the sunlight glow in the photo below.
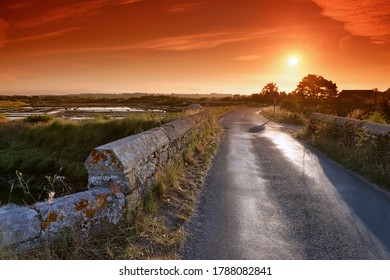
(293, 61)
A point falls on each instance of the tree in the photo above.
(270, 91)
(316, 86)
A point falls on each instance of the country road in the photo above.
(269, 196)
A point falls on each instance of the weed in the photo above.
(150, 202)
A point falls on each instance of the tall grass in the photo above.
(284, 116)
(45, 149)
(365, 154)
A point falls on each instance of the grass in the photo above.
(9, 103)
(60, 147)
(358, 151)
(156, 230)
(284, 116)
(3, 118)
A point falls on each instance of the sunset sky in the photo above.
(164, 46)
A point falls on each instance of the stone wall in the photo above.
(120, 174)
(375, 129)
(355, 133)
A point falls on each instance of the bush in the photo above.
(39, 118)
(376, 117)
(289, 105)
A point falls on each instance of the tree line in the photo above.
(314, 93)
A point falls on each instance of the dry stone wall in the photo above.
(352, 131)
(375, 129)
(120, 174)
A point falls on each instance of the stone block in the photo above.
(322, 118)
(201, 116)
(376, 128)
(18, 224)
(144, 171)
(85, 211)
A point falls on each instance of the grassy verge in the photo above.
(356, 150)
(364, 154)
(284, 116)
(156, 230)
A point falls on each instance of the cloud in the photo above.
(362, 18)
(200, 41)
(183, 8)
(125, 2)
(77, 10)
(3, 28)
(247, 58)
(176, 43)
(52, 34)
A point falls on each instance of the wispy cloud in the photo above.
(201, 41)
(77, 10)
(52, 34)
(125, 2)
(247, 58)
(176, 43)
(3, 28)
(186, 7)
(363, 18)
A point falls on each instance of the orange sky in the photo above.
(164, 46)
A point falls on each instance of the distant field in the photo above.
(8, 103)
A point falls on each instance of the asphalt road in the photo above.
(268, 196)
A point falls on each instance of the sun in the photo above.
(293, 61)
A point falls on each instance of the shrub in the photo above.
(289, 105)
(39, 118)
(377, 117)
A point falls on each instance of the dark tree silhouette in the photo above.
(270, 91)
(316, 86)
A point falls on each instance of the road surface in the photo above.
(268, 196)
